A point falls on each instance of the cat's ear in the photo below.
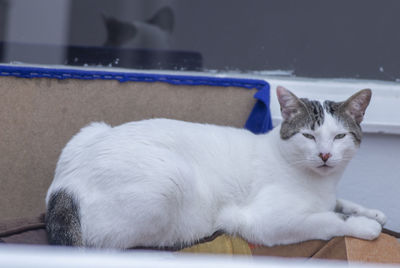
(290, 104)
(356, 105)
(118, 32)
(164, 19)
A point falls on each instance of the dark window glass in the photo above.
(311, 38)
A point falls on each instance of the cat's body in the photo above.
(168, 183)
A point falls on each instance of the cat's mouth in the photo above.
(324, 166)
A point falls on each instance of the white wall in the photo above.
(373, 177)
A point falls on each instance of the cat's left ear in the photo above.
(290, 104)
(356, 105)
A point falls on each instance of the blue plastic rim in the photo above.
(259, 120)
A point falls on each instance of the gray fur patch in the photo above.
(310, 114)
(62, 220)
(338, 111)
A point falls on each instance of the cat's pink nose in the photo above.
(325, 157)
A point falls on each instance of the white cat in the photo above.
(168, 183)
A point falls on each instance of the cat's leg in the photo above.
(326, 225)
(349, 208)
(322, 226)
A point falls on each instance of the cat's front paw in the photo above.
(363, 227)
(377, 215)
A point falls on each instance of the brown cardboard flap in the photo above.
(334, 249)
(385, 249)
(20, 225)
(224, 244)
(300, 250)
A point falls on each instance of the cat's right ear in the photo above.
(290, 104)
(357, 104)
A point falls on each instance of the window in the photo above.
(311, 38)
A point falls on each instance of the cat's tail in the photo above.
(62, 220)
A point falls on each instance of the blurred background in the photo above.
(309, 38)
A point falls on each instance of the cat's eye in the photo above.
(340, 136)
(308, 136)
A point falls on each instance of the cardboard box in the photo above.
(385, 249)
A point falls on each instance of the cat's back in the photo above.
(139, 133)
(99, 145)
(172, 133)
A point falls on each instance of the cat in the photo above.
(169, 183)
(153, 33)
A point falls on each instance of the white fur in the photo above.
(163, 182)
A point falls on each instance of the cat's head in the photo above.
(156, 29)
(321, 136)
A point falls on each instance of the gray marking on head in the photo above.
(62, 220)
(338, 111)
(310, 114)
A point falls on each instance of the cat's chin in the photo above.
(325, 166)
(324, 169)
